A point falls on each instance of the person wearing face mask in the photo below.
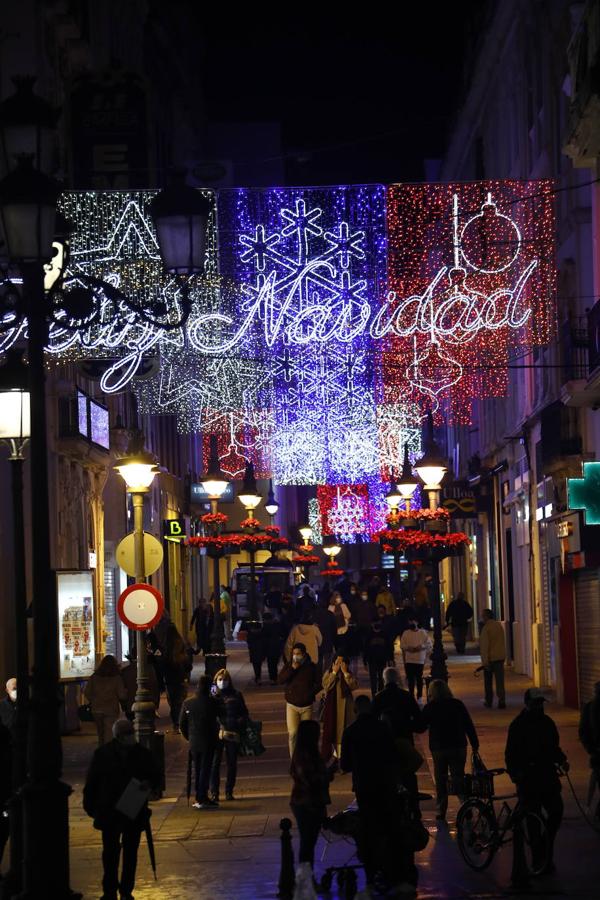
(113, 766)
(338, 707)
(533, 758)
(232, 713)
(302, 684)
(415, 644)
(364, 614)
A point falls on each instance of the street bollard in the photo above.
(287, 878)
(519, 876)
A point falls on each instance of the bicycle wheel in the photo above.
(535, 842)
(476, 834)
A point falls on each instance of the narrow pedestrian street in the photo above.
(233, 852)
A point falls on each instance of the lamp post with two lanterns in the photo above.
(250, 499)
(138, 468)
(14, 432)
(28, 200)
(215, 483)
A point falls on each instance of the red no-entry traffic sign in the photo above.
(140, 606)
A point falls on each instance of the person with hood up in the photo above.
(199, 726)
(533, 759)
(415, 644)
(301, 680)
(338, 706)
(233, 714)
(589, 735)
(105, 692)
(112, 769)
(305, 633)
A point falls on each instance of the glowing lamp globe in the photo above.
(393, 498)
(138, 466)
(432, 467)
(331, 548)
(271, 505)
(248, 495)
(14, 399)
(215, 482)
(305, 533)
(407, 483)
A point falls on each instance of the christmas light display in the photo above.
(471, 278)
(328, 322)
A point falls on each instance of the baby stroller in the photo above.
(347, 826)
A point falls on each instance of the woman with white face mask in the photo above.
(233, 714)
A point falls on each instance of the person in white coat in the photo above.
(415, 644)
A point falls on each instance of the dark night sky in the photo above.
(363, 96)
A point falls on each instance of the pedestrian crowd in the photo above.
(317, 641)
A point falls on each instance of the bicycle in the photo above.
(481, 833)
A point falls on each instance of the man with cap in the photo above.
(114, 767)
(533, 759)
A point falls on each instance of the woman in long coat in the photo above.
(338, 706)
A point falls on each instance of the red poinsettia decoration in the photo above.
(250, 523)
(334, 572)
(214, 518)
(401, 540)
(272, 529)
(307, 559)
(440, 514)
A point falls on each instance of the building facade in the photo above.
(531, 111)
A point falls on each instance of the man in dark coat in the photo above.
(458, 615)
(272, 644)
(324, 619)
(113, 767)
(400, 712)
(368, 752)
(200, 727)
(202, 622)
(533, 757)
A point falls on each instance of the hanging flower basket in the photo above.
(306, 559)
(250, 524)
(332, 573)
(402, 540)
(414, 516)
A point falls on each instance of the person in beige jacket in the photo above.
(306, 633)
(105, 692)
(492, 646)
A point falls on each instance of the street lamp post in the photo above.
(14, 431)
(215, 483)
(138, 468)
(393, 499)
(432, 468)
(250, 499)
(407, 485)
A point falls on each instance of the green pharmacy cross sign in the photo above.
(584, 493)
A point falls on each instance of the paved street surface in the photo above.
(234, 852)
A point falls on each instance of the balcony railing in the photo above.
(575, 344)
(594, 337)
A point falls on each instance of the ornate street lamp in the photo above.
(271, 504)
(306, 534)
(180, 214)
(215, 483)
(407, 483)
(14, 432)
(250, 499)
(432, 466)
(28, 212)
(331, 548)
(138, 468)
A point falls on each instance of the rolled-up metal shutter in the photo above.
(587, 613)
